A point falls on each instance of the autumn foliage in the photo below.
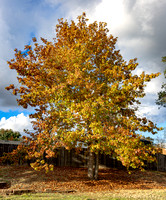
(83, 93)
(17, 156)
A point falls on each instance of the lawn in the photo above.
(72, 183)
(114, 195)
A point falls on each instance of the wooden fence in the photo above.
(7, 146)
(71, 158)
(161, 162)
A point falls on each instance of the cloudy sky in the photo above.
(139, 25)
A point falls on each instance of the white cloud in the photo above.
(16, 123)
(146, 110)
(153, 87)
(151, 111)
(112, 12)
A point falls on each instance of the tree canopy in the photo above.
(162, 94)
(9, 134)
(83, 93)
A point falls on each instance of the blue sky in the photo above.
(139, 25)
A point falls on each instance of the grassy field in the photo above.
(114, 195)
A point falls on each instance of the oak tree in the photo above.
(84, 93)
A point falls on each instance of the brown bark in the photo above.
(96, 170)
(90, 165)
(93, 166)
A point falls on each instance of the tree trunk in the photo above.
(90, 165)
(93, 166)
(96, 166)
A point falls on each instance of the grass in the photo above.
(114, 195)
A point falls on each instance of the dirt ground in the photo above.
(68, 178)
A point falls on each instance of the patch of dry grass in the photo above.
(113, 195)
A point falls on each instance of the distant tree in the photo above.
(161, 140)
(84, 93)
(9, 134)
(162, 94)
